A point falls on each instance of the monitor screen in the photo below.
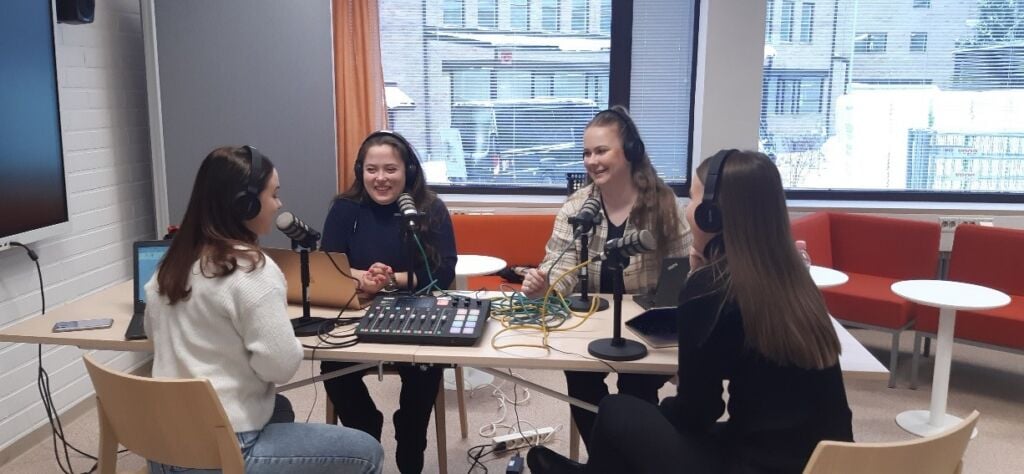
(147, 259)
(32, 187)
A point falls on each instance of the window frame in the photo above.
(786, 27)
(462, 13)
(546, 6)
(918, 46)
(481, 10)
(619, 77)
(806, 35)
(870, 42)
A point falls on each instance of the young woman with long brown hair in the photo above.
(632, 198)
(364, 222)
(217, 310)
(750, 314)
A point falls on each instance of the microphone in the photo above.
(588, 216)
(406, 205)
(633, 243)
(297, 230)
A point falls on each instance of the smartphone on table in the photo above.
(83, 324)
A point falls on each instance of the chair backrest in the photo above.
(176, 422)
(519, 239)
(988, 256)
(938, 454)
(902, 249)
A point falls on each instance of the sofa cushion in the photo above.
(519, 239)
(988, 256)
(868, 299)
(893, 248)
(1001, 326)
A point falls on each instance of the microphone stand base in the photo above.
(579, 304)
(624, 350)
(305, 327)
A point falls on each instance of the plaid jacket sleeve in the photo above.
(561, 241)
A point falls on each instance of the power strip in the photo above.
(521, 440)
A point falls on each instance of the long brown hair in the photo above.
(784, 316)
(415, 185)
(655, 208)
(213, 230)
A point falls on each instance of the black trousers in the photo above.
(590, 387)
(356, 409)
(631, 435)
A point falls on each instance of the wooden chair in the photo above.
(176, 422)
(439, 416)
(938, 454)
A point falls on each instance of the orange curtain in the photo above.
(358, 80)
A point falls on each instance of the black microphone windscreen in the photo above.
(588, 216)
(633, 243)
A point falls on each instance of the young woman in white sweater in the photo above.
(217, 311)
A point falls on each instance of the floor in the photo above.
(991, 382)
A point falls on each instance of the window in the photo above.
(504, 110)
(918, 42)
(453, 13)
(606, 16)
(580, 15)
(518, 14)
(934, 116)
(870, 42)
(769, 25)
(487, 13)
(922, 3)
(786, 22)
(807, 23)
(549, 15)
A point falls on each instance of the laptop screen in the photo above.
(147, 258)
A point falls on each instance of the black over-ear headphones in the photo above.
(247, 201)
(632, 144)
(408, 156)
(708, 216)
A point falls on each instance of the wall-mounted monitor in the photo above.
(33, 192)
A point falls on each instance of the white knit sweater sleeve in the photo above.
(263, 324)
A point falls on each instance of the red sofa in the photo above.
(519, 239)
(874, 252)
(986, 256)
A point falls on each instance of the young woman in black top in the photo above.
(364, 223)
(750, 314)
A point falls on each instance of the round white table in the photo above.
(948, 296)
(467, 266)
(827, 277)
(475, 265)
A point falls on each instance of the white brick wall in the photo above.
(101, 73)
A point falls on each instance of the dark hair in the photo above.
(212, 230)
(655, 209)
(784, 316)
(416, 187)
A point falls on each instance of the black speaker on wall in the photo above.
(76, 12)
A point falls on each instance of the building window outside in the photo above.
(922, 3)
(454, 14)
(918, 42)
(549, 15)
(543, 85)
(794, 96)
(606, 17)
(807, 23)
(518, 14)
(580, 15)
(487, 13)
(870, 42)
(769, 24)
(514, 84)
(471, 84)
(786, 21)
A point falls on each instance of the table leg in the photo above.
(935, 420)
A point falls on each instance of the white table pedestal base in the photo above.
(916, 422)
(471, 378)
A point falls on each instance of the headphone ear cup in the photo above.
(247, 205)
(708, 217)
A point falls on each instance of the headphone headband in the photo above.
(708, 216)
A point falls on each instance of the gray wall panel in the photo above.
(253, 72)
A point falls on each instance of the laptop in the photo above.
(146, 257)
(657, 327)
(671, 280)
(328, 284)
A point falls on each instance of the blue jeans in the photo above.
(283, 447)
